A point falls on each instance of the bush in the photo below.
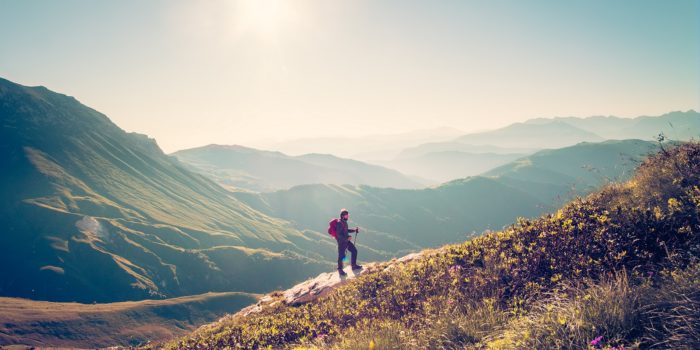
(573, 319)
(672, 313)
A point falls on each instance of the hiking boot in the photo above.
(342, 273)
(357, 267)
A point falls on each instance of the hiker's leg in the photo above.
(353, 252)
(341, 254)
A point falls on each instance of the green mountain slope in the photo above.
(258, 170)
(578, 169)
(619, 268)
(92, 213)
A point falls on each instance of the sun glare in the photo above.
(263, 17)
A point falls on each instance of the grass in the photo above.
(618, 312)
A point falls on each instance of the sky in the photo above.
(251, 72)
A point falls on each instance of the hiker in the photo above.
(344, 242)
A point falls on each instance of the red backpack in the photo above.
(331, 228)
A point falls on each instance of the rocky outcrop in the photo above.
(314, 288)
(322, 285)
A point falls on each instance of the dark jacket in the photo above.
(342, 231)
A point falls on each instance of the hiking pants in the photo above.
(342, 246)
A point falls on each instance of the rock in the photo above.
(253, 309)
(322, 285)
(410, 257)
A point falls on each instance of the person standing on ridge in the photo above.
(345, 242)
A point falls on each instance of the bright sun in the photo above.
(264, 17)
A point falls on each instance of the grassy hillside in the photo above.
(92, 213)
(41, 323)
(580, 168)
(398, 221)
(258, 170)
(617, 268)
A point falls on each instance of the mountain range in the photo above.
(93, 213)
(474, 153)
(76, 188)
(429, 163)
(384, 145)
(554, 134)
(677, 125)
(257, 170)
(396, 221)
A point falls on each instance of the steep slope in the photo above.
(258, 170)
(396, 221)
(617, 269)
(92, 213)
